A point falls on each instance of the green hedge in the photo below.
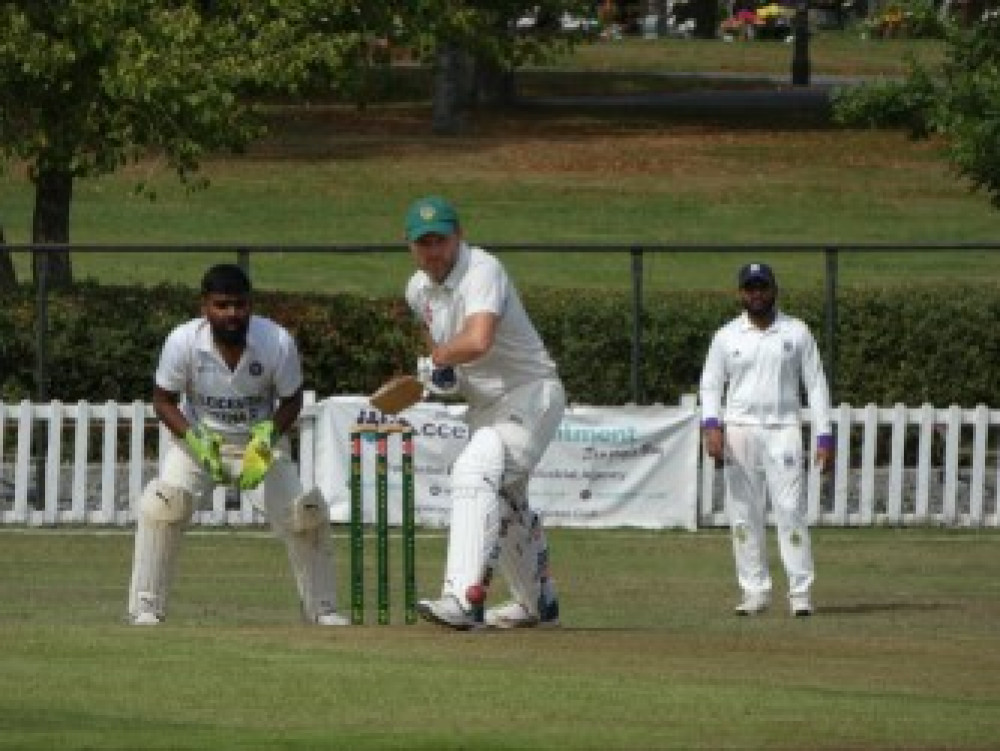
(937, 345)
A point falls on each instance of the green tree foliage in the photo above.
(960, 101)
(90, 85)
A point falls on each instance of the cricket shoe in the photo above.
(753, 604)
(800, 606)
(147, 612)
(448, 611)
(331, 619)
(514, 615)
(146, 618)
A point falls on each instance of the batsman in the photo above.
(483, 346)
(228, 387)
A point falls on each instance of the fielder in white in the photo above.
(761, 360)
(484, 347)
(228, 386)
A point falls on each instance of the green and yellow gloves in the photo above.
(258, 456)
(205, 444)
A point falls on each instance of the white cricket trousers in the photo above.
(764, 462)
(527, 419)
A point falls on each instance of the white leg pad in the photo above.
(308, 512)
(303, 524)
(524, 552)
(163, 512)
(474, 535)
(312, 567)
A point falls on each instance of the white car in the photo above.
(568, 23)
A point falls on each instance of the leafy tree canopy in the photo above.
(92, 84)
(960, 101)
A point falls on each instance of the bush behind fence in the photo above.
(930, 344)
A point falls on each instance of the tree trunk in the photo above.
(494, 85)
(8, 279)
(50, 225)
(448, 84)
(706, 14)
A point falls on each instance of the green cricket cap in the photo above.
(431, 214)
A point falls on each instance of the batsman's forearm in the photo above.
(473, 341)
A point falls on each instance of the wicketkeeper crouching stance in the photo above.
(228, 386)
(483, 346)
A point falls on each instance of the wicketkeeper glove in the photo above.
(205, 445)
(258, 455)
(442, 381)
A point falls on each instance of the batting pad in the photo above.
(524, 553)
(301, 521)
(163, 512)
(475, 513)
(312, 567)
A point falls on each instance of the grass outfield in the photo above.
(331, 176)
(901, 654)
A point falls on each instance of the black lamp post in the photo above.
(800, 50)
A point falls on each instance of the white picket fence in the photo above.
(98, 457)
(895, 466)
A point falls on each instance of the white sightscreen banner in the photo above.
(606, 467)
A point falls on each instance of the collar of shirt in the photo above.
(746, 324)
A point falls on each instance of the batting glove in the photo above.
(258, 455)
(438, 380)
(205, 445)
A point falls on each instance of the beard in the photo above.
(760, 307)
(231, 336)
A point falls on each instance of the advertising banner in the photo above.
(606, 467)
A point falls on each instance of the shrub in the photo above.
(937, 345)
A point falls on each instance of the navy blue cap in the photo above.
(756, 272)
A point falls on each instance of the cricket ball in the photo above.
(476, 594)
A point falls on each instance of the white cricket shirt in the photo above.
(224, 400)
(479, 284)
(761, 372)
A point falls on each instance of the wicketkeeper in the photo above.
(482, 345)
(228, 387)
(761, 360)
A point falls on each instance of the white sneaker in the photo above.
(753, 604)
(448, 611)
(331, 619)
(800, 606)
(146, 618)
(514, 615)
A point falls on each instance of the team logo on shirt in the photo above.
(256, 368)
